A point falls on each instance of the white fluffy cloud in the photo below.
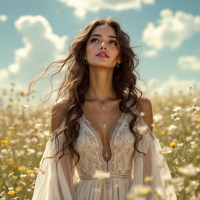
(150, 53)
(3, 74)
(81, 7)
(152, 82)
(41, 46)
(163, 88)
(189, 62)
(3, 18)
(172, 29)
(175, 84)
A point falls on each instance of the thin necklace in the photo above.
(104, 124)
(102, 106)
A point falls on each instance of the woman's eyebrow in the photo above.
(110, 36)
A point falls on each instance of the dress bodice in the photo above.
(90, 149)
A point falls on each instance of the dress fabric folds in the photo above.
(127, 171)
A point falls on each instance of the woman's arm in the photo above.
(56, 183)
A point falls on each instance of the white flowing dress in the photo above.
(126, 171)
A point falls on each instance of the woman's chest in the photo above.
(89, 142)
(90, 149)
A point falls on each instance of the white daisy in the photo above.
(142, 129)
(101, 175)
(23, 175)
(177, 109)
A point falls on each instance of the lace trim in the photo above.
(99, 140)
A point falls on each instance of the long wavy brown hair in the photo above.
(76, 82)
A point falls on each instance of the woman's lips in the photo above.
(102, 56)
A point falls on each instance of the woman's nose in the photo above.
(103, 46)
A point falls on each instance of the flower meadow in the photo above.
(25, 131)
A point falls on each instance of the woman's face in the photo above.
(102, 40)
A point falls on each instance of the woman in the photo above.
(97, 124)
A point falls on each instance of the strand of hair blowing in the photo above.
(76, 81)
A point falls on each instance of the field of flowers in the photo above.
(25, 130)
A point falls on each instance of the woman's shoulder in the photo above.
(58, 114)
(142, 102)
(145, 106)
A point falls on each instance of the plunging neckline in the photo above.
(98, 138)
(119, 122)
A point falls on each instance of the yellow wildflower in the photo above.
(187, 128)
(23, 183)
(155, 130)
(4, 142)
(162, 132)
(30, 171)
(11, 192)
(47, 138)
(32, 181)
(158, 125)
(173, 144)
(170, 172)
(173, 167)
(14, 165)
(4, 92)
(10, 105)
(10, 174)
(15, 177)
(198, 132)
(9, 160)
(176, 167)
(21, 168)
(11, 99)
(22, 94)
(18, 189)
(21, 127)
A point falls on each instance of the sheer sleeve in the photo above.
(152, 165)
(55, 184)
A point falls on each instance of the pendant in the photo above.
(106, 155)
(104, 125)
(103, 107)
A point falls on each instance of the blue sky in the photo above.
(37, 32)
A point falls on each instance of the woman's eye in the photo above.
(94, 40)
(113, 42)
